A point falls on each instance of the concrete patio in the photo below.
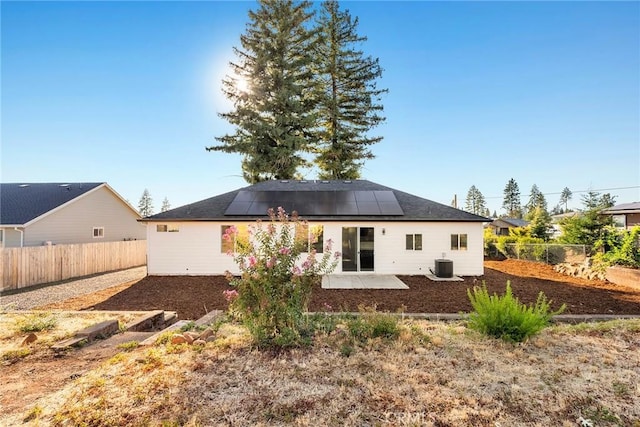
(371, 281)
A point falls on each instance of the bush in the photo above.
(272, 293)
(505, 317)
(618, 247)
(373, 324)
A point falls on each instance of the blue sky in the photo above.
(547, 93)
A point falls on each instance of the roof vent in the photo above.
(347, 182)
(64, 185)
(302, 181)
(285, 180)
(325, 181)
(23, 185)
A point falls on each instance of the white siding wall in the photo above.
(74, 223)
(195, 249)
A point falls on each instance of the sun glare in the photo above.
(242, 84)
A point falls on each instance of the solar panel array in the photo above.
(316, 203)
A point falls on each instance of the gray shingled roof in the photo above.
(415, 208)
(24, 202)
(633, 207)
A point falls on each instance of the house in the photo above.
(63, 213)
(378, 230)
(501, 226)
(626, 215)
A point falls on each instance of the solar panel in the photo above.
(316, 203)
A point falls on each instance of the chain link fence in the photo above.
(542, 252)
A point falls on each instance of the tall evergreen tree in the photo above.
(565, 196)
(536, 200)
(349, 104)
(165, 205)
(511, 202)
(273, 92)
(475, 202)
(145, 205)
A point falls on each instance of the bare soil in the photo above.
(193, 296)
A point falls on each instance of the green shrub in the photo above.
(618, 247)
(373, 324)
(37, 322)
(505, 317)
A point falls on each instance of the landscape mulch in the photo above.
(193, 296)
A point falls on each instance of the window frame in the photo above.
(459, 242)
(232, 246)
(100, 234)
(413, 242)
(305, 236)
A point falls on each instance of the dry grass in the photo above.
(433, 374)
(63, 324)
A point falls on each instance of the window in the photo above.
(310, 237)
(164, 228)
(458, 242)
(229, 242)
(98, 232)
(414, 242)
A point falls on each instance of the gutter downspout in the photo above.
(21, 236)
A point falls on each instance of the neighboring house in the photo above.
(626, 215)
(556, 230)
(64, 213)
(501, 226)
(378, 230)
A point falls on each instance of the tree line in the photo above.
(584, 228)
(304, 94)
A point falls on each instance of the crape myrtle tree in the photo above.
(511, 202)
(349, 102)
(475, 202)
(273, 92)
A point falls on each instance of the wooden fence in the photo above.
(22, 267)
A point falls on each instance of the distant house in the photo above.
(501, 226)
(626, 215)
(378, 230)
(34, 214)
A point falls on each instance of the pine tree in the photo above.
(274, 114)
(350, 100)
(511, 201)
(165, 205)
(536, 200)
(565, 196)
(540, 223)
(145, 205)
(475, 202)
(587, 227)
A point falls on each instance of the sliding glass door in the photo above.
(357, 249)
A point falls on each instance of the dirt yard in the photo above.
(192, 297)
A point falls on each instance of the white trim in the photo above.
(100, 232)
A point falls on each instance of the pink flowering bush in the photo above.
(278, 273)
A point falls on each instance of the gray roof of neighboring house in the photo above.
(21, 203)
(624, 208)
(413, 208)
(515, 222)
